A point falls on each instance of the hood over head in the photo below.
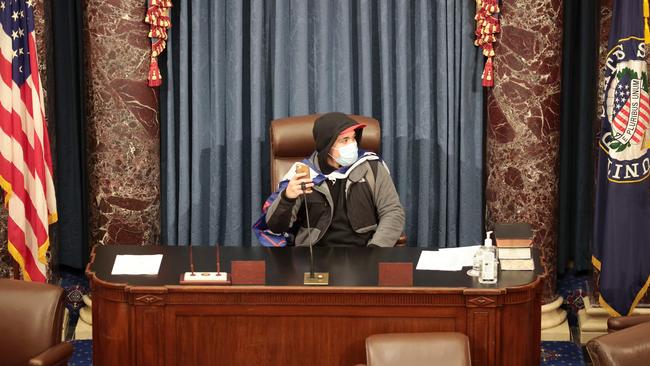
(327, 129)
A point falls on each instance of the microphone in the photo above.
(205, 278)
(191, 261)
(218, 259)
(311, 240)
(311, 277)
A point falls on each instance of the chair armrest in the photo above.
(53, 356)
(622, 322)
(401, 242)
(629, 346)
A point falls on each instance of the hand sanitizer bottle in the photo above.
(489, 264)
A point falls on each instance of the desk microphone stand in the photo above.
(312, 278)
(205, 278)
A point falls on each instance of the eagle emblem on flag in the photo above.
(630, 109)
(625, 135)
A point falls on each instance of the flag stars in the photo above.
(14, 35)
(14, 53)
(20, 51)
(21, 32)
(22, 14)
(30, 3)
(2, 5)
(14, 16)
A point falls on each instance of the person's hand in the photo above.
(294, 188)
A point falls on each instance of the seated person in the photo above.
(350, 195)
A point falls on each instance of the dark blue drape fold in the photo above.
(67, 90)
(233, 66)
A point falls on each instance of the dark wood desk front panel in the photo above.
(151, 320)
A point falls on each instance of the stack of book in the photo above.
(513, 243)
(513, 235)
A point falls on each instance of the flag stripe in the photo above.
(30, 153)
(31, 266)
(31, 212)
(618, 124)
(22, 150)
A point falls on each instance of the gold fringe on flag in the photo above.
(158, 18)
(487, 25)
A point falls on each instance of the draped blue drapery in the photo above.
(233, 66)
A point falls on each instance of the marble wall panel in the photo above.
(123, 127)
(523, 124)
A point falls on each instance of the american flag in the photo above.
(622, 109)
(25, 161)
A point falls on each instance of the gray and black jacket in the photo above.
(372, 204)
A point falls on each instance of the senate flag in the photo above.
(25, 161)
(621, 243)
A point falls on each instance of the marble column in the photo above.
(523, 124)
(122, 125)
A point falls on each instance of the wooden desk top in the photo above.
(348, 267)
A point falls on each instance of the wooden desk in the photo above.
(152, 320)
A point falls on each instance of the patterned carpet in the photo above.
(558, 353)
(570, 286)
(83, 353)
(75, 285)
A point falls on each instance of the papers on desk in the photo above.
(447, 259)
(137, 264)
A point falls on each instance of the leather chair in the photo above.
(418, 349)
(31, 320)
(628, 342)
(292, 140)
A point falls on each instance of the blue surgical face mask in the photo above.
(348, 154)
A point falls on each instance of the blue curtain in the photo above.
(233, 66)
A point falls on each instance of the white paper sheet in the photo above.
(137, 264)
(447, 259)
(464, 255)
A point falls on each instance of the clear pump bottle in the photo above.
(489, 264)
